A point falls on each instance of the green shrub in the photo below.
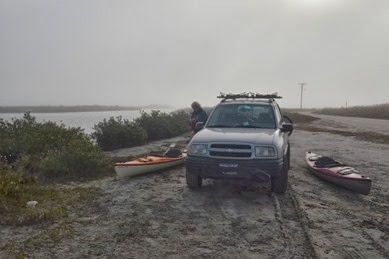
(179, 121)
(10, 183)
(118, 133)
(77, 158)
(51, 150)
(160, 125)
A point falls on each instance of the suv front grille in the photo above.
(230, 150)
(234, 146)
(228, 154)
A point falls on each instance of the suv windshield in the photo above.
(243, 115)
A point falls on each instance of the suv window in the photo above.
(243, 115)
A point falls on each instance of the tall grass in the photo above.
(299, 118)
(380, 111)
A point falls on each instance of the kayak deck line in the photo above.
(149, 160)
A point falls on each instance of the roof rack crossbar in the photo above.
(245, 95)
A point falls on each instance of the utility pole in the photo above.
(301, 98)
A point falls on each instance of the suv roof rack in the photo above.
(245, 95)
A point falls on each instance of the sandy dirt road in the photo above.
(353, 124)
(157, 216)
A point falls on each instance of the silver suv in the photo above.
(245, 137)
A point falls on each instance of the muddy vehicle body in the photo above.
(245, 137)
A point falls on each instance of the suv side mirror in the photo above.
(199, 126)
(287, 127)
(287, 119)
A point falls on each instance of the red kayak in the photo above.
(340, 174)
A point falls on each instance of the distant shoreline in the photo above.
(76, 108)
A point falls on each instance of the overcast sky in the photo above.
(75, 52)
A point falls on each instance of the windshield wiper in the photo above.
(219, 126)
(249, 126)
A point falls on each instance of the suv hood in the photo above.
(258, 136)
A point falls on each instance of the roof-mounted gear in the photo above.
(245, 95)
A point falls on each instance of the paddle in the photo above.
(172, 151)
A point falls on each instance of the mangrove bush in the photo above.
(160, 125)
(50, 150)
(118, 133)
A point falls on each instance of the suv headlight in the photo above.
(265, 151)
(197, 150)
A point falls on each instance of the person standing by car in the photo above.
(198, 115)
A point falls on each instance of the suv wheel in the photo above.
(280, 183)
(288, 156)
(193, 181)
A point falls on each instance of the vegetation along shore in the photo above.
(76, 108)
(379, 111)
(35, 157)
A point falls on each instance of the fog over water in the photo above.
(172, 52)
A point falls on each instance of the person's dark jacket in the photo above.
(198, 116)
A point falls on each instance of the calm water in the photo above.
(85, 120)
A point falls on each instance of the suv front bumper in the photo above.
(253, 169)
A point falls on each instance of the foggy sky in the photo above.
(128, 52)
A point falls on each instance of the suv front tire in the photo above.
(279, 184)
(193, 181)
